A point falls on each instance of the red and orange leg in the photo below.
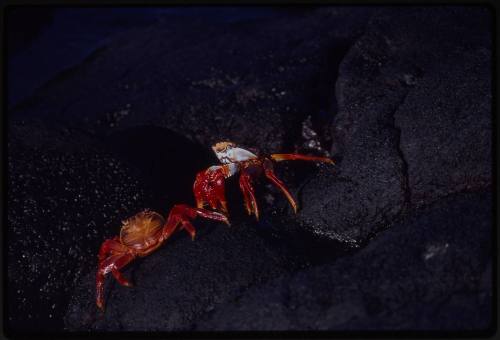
(269, 172)
(279, 157)
(112, 257)
(249, 173)
(182, 215)
(246, 186)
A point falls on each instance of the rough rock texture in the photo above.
(79, 146)
(248, 82)
(414, 121)
(432, 271)
(183, 280)
(409, 123)
(65, 195)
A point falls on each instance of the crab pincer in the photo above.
(209, 188)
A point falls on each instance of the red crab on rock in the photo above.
(144, 232)
(209, 184)
(140, 235)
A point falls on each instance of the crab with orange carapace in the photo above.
(140, 235)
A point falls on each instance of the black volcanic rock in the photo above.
(414, 121)
(65, 196)
(429, 272)
(251, 82)
(183, 280)
(130, 126)
(127, 129)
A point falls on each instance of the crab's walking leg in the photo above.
(112, 256)
(269, 172)
(246, 198)
(186, 225)
(120, 278)
(278, 157)
(182, 214)
(211, 215)
(248, 191)
(189, 228)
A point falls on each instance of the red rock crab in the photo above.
(144, 232)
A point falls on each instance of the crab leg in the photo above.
(211, 215)
(112, 256)
(246, 198)
(279, 157)
(120, 278)
(182, 214)
(277, 182)
(189, 228)
(249, 194)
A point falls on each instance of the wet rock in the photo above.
(65, 196)
(414, 121)
(251, 82)
(429, 272)
(182, 280)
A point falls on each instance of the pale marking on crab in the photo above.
(228, 152)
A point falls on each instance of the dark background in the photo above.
(113, 110)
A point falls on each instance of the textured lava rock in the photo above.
(182, 280)
(65, 196)
(414, 121)
(430, 272)
(251, 82)
(255, 83)
(71, 182)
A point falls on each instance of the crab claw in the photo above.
(208, 187)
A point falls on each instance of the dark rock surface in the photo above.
(65, 195)
(91, 146)
(432, 271)
(406, 115)
(414, 121)
(252, 82)
(183, 280)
